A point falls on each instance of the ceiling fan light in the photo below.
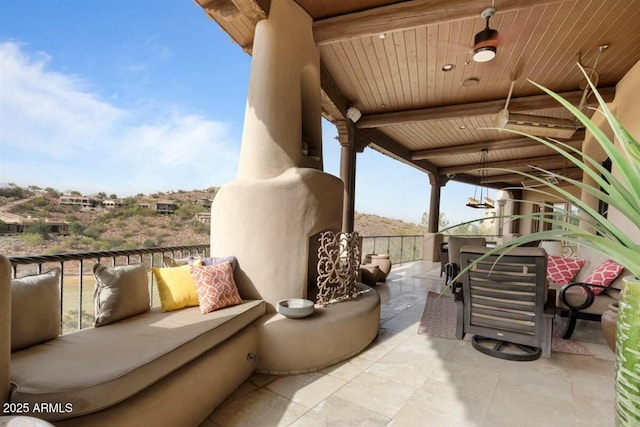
(484, 54)
(484, 46)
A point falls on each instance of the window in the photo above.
(561, 211)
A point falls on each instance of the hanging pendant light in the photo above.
(483, 202)
(485, 44)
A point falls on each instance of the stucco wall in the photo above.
(627, 107)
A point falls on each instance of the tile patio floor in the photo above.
(406, 379)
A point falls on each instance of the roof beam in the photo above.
(406, 15)
(501, 144)
(520, 163)
(391, 147)
(333, 93)
(573, 173)
(254, 10)
(519, 104)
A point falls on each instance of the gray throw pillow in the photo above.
(35, 309)
(120, 292)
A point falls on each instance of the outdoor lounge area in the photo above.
(396, 352)
(409, 379)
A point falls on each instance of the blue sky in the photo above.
(130, 96)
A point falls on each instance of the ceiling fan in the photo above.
(530, 123)
(485, 43)
(542, 125)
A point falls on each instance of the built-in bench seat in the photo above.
(96, 368)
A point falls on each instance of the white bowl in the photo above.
(295, 308)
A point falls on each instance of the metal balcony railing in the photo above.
(76, 305)
(400, 248)
(77, 281)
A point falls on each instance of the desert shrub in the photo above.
(94, 231)
(32, 238)
(70, 321)
(51, 192)
(149, 243)
(40, 202)
(57, 249)
(201, 228)
(126, 245)
(40, 228)
(76, 228)
(13, 192)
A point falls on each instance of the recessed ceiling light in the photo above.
(463, 126)
(470, 82)
(382, 36)
(448, 67)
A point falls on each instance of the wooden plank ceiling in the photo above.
(386, 57)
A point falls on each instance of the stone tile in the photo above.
(375, 351)
(539, 379)
(600, 351)
(306, 389)
(260, 408)
(511, 407)
(393, 338)
(375, 393)
(594, 412)
(338, 412)
(446, 404)
(579, 365)
(349, 369)
(403, 321)
(244, 389)
(260, 380)
(587, 386)
(463, 354)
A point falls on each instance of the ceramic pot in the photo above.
(383, 262)
(627, 380)
(609, 322)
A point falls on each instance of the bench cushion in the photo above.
(96, 368)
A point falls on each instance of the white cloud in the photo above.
(55, 132)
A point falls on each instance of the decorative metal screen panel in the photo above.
(338, 264)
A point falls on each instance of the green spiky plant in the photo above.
(620, 191)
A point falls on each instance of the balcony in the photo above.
(403, 376)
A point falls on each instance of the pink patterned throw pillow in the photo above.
(604, 275)
(562, 270)
(215, 286)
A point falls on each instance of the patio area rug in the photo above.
(439, 320)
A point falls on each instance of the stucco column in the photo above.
(434, 207)
(271, 216)
(282, 125)
(346, 133)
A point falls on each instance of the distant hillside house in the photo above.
(82, 201)
(21, 226)
(112, 203)
(204, 202)
(203, 217)
(164, 207)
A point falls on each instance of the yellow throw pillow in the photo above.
(175, 287)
